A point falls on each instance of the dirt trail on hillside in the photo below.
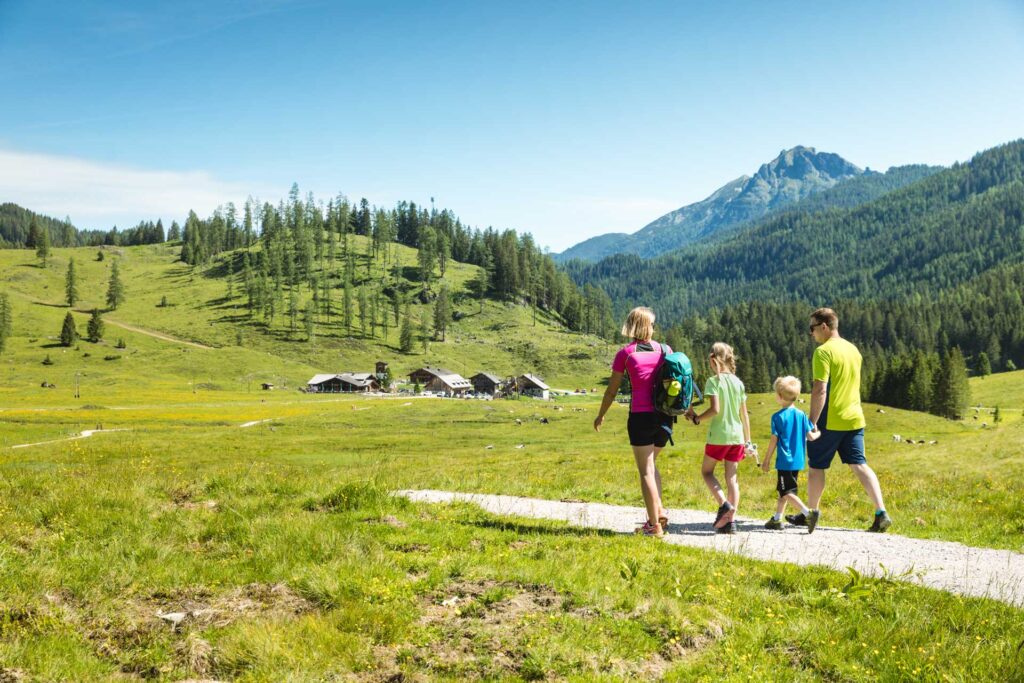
(953, 567)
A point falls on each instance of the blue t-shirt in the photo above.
(791, 427)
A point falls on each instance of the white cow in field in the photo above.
(897, 438)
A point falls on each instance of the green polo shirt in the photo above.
(837, 362)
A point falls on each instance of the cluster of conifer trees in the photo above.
(911, 346)
(304, 244)
(21, 228)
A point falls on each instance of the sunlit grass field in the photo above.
(284, 557)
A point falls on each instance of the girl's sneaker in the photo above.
(649, 529)
(725, 515)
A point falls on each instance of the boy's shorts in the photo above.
(733, 453)
(849, 445)
(787, 481)
(645, 429)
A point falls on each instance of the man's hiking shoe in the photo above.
(729, 528)
(881, 523)
(799, 519)
(773, 524)
(725, 515)
(812, 520)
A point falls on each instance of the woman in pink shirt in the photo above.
(648, 429)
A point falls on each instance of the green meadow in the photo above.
(185, 546)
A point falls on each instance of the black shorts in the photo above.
(649, 428)
(787, 481)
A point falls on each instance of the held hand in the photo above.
(598, 421)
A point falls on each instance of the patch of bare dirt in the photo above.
(12, 675)
(481, 629)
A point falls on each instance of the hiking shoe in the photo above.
(799, 519)
(653, 530)
(725, 515)
(728, 528)
(812, 520)
(881, 523)
(773, 524)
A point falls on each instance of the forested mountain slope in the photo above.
(935, 234)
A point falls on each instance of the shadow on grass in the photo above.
(537, 529)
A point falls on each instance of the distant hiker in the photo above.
(648, 429)
(836, 410)
(728, 435)
(791, 430)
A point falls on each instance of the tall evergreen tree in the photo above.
(442, 311)
(68, 332)
(919, 391)
(71, 284)
(43, 245)
(984, 366)
(425, 332)
(309, 318)
(405, 336)
(952, 393)
(32, 241)
(6, 320)
(96, 326)
(364, 311)
(115, 288)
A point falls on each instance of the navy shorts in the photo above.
(849, 445)
(787, 481)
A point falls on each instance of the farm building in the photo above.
(346, 382)
(486, 383)
(531, 385)
(440, 380)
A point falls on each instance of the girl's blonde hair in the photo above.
(724, 355)
(639, 324)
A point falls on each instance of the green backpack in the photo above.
(674, 388)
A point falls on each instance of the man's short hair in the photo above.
(826, 316)
(787, 388)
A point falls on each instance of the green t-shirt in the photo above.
(838, 362)
(726, 428)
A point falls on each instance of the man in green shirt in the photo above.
(836, 409)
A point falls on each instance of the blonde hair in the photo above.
(723, 353)
(787, 388)
(639, 324)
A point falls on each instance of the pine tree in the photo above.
(6, 320)
(115, 289)
(68, 333)
(71, 284)
(984, 366)
(96, 326)
(919, 390)
(405, 337)
(952, 393)
(442, 311)
(32, 241)
(43, 245)
(364, 311)
(346, 306)
(996, 415)
(425, 332)
(293, 308)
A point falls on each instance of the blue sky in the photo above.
(563, 119)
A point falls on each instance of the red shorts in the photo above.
(727, 453)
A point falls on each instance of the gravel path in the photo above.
(82, 435)
(981, 572)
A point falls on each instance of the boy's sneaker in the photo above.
(773, 524)
(728, 528)
(812, 520)
(725, 515)
(881, 523)
(799, 519)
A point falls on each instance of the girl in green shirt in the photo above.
(728, 434)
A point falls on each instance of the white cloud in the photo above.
(97, 195)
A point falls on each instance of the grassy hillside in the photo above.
(1005, 390)
(501, 338)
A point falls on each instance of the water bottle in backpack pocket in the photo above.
(674, 388)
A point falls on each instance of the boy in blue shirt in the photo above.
(791, 429)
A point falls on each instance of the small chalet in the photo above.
(440, 380)
(486, 383)
(531, 385)
(346, 382)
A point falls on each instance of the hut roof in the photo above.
(535, 381)
(493, 378)
(321, 378)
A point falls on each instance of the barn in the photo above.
(440, 380)
(343, 383)
(531, 385)
(486, 383)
